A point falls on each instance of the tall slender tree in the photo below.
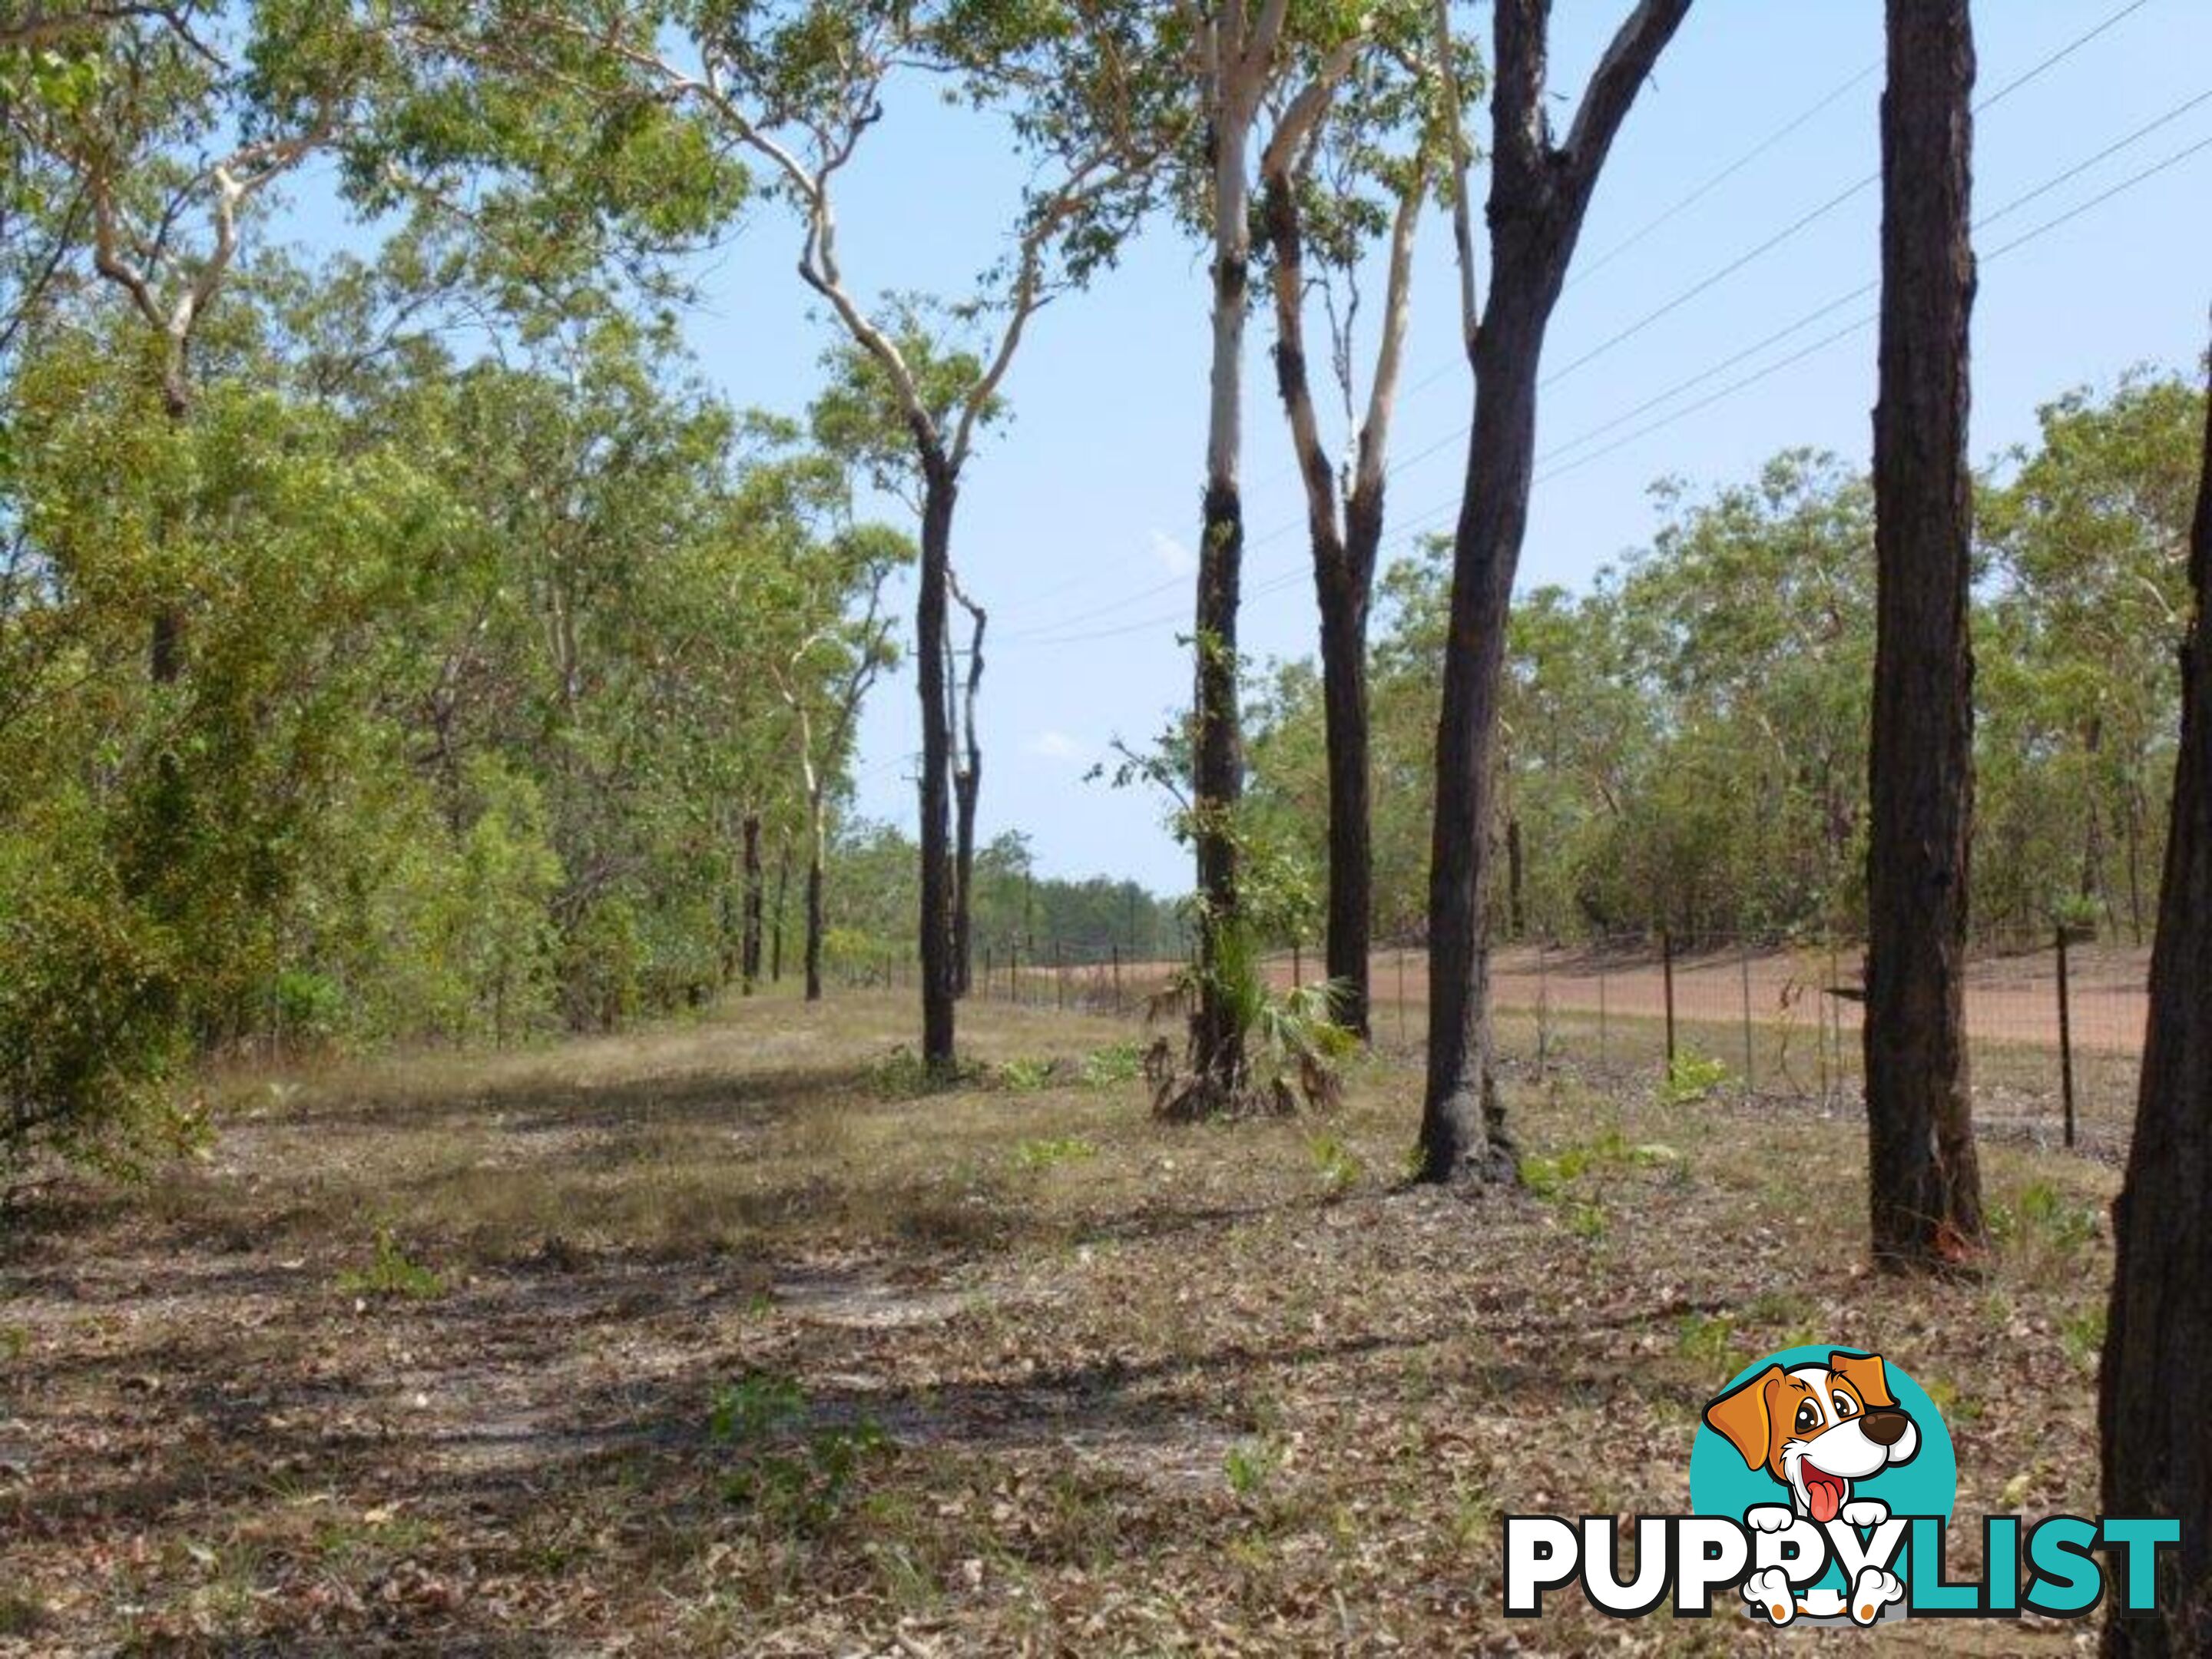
(823, 682)
(1540, 190)
(1924, 1188)
(1242, 58)
(967, 790)
(2158, 1334)
(797, 89)
(1328, 155)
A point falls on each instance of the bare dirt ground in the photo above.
(722, 1339)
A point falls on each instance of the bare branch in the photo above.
(1305, 110)
(1613, 85)
(1390, 350)
(1470, 312)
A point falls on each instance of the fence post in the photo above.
(987, 973)
(1402, 993)
(2065, 1041)
(1117, 976)
(1743, 962)
(1667, 975)
(1543, 1007)
(1836, 1011)
(1601, 1007)
(1059, 978)
(1298, 964)
(1823, 994)
(1014, 971)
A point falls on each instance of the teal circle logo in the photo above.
(1760, 1440)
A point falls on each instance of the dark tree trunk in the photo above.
(2158, 1334)
(1516, 910)
(814, 924)
(1219, 1068)
(1538, 193)
(748, 950)
(775, 919)
(1923, 1184)
(1345, 587)
(1463, 1120)
(1217, 1041)
(1344, 581)
(934, 925)
(967, 788)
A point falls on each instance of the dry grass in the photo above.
(429, 1355)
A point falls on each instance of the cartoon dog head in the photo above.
(1816, 1429)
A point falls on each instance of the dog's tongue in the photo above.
(1824, 1494)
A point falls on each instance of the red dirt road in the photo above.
(2009, 998)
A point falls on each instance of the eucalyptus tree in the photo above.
(797, 89)
(846, 645)
(859, 419)
(1540, 190)
(2158, 1334)
(1350, 161)
(2087, 542)
(1246, 66)
(967, 783)
(1923, 1177)
(166, 144)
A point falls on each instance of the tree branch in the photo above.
(1470, 312)
(1620, 74)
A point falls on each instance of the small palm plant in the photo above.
(1294, 1049)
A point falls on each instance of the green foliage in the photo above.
(2083, 1334)
(1707, 1340)
(792, 1476)
(390, 1273)
(1251, 1465)
(1685, 743)
(1116, 1063)
(1044, 1154)
(902, 1074)
(1340, 1168)
(1692, 1077)
(1294, 1048)
(472, 694)
(1023, 1076)
(1573, 1178)
(2041, 1218)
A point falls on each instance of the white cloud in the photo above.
(1054, 745)
(1175, 558)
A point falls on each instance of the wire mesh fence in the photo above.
(2054, 1027)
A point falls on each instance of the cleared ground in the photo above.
(720, 1338)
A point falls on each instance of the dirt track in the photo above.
(2010, 999)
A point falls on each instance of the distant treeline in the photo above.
(1686, 743)
(873, 903)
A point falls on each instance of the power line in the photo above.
(1990, 258)
(2027, 76)
(1805, 221)
(1737, 166)
(1408, 531)
(1843, 300)
(1048, 634)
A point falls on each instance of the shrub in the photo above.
(1692, 1077)
(794, 1477)
(391, 1273)
(1117, 1062)
(1043, 1154)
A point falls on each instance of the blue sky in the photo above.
(1075, 519)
